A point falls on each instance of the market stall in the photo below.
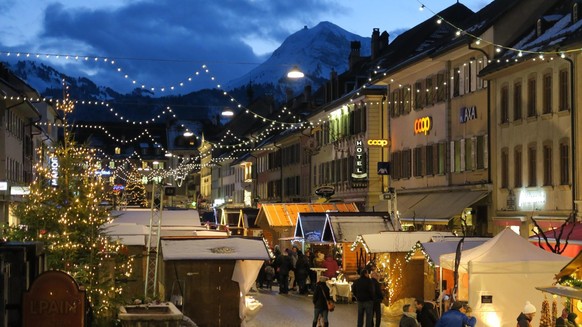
(389, 250)
(213, 274)
(278, 220)
(568, 286)
(500, 275)
(429, 254)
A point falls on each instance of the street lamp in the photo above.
(227, 112)
(295, 73)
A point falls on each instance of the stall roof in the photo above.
(346, 227)
(571, 267)
(433, 250)
(169, 217)
(285, 214)
(396, 241)
(232, 248)
(438, 206)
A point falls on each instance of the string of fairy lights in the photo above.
(273, 124)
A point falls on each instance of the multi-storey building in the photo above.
(534, 123)
(18, 115)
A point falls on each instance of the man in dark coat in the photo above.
(285, 266)
(363, 290)
(378, 297)
(425, 313)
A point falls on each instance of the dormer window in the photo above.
(575, 9)
(539, 29)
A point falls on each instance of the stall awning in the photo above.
(506, 221)
(346, 227)
(436, 207)
(560, 290)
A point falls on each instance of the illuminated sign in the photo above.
(532, 199)
(381, 143)
(103, 173)
(422, 125)
(54, 161)
(3, 186)
(467, 113)
(360, 173)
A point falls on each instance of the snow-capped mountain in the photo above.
(315, 51)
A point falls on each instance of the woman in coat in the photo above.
(320, 298)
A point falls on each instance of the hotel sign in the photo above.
(360, 173)
(422, 125)
(467, 113)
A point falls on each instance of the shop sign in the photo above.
(467, 113)
(54, 299)
(54, 169)
(422, 125)
(381, 143)
(360, 173)
(531, 199)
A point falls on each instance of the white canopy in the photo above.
(397, 241)
(499, 276)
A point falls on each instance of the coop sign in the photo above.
(422, 125)
(467, 113)
(54, 169)
(381, 143)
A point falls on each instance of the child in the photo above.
(269, 276)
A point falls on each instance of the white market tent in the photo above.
(502, 274)
(397, 241)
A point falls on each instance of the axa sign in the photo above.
(422, 125)
(381, 143)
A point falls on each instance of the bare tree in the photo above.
(458, 258)
(567, 227)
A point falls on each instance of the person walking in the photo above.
(425, 313)
(301, 272)
(286, 265)
(320, 298)
(363, 290)
(457, 316)
(525, 317)
(408, 317)
(378, 297)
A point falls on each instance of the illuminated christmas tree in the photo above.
(63, 212)
(135, 192)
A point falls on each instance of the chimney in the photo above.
(384, 40)
(307, 93)
(333, 87)
(354, 53)
(375, 37)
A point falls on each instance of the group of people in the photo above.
(460, 315)
(291, 268)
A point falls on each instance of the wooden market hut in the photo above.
(230, 217)
(389, 251)
(213, 276)
(343, 229)
(429, 254)
(567, 286)
(247, 221)
(278, 220)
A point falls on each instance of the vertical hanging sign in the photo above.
(360, 173)
(54, 168)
